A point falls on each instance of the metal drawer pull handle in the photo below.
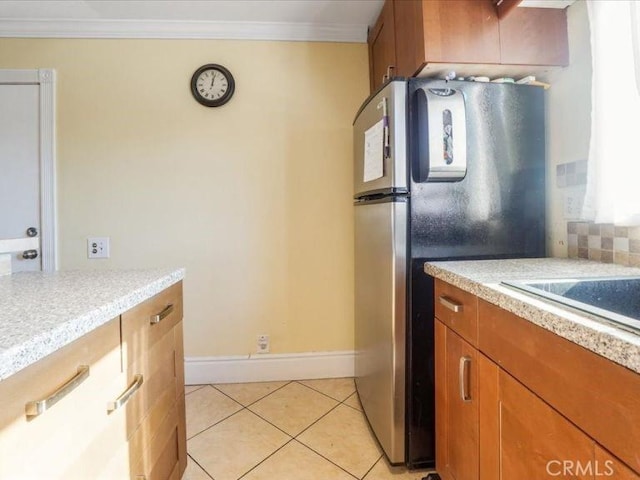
(163, 314)
(452, 305)
(126, 395)
(464, 378)
(38, 407)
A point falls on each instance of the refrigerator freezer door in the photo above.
(384, 111)
(380, 315)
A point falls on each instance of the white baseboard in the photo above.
(269, 367)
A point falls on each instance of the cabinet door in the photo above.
(382, 46)
(464, 31)
(606, 465)
(534, 36)
(409, 36)
(457, 406)
(536, 441)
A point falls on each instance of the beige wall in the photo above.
(252, 198)
(568, 121)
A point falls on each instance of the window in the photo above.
(613, 181)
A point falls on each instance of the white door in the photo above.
(27, 167)
(20, 167)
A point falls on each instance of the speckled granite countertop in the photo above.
(483, 277)
(42, 312)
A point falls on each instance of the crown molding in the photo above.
(303, 32)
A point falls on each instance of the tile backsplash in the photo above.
(604, 243)
(571, 173)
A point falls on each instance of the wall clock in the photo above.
(212, 85)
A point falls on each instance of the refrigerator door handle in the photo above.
(385, 122)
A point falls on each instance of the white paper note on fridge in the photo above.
(373, 152)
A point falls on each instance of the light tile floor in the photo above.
(298, 430)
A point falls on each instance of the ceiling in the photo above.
(328, 20)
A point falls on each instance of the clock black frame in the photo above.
(219, 101)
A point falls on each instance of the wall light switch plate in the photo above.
(98, 247)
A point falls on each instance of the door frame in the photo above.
(45, 78)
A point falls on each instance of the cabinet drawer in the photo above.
(46, 445)
(146, 324)
(458, 310)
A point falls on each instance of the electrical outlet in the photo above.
(573, 201)
(263, 344)
(98, 247)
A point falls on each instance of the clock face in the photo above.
(212, 85)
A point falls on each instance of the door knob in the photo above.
(30, 254)
(32, 232)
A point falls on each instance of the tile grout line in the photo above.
(201, 467)
(237, 411)
(222, 419)
(291, 437)
(300, 433)
(325, 394)
(199, 388)
(372, 467)
(321, 455)
(327, 459)
(255, 401)
(304, 429)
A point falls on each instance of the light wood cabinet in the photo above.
(150, 336)
(540, 406)
(54, 443)
(468, 36)
(124, 418)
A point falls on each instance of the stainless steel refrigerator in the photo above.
(443, 170)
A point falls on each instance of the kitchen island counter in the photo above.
(43, 312)
(482, 278)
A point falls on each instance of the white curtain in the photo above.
(613, 178)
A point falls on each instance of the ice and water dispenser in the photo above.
(441, 136)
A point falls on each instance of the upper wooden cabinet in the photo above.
(431, 34)
(534, 36)
(450, 32)
(382, 46)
